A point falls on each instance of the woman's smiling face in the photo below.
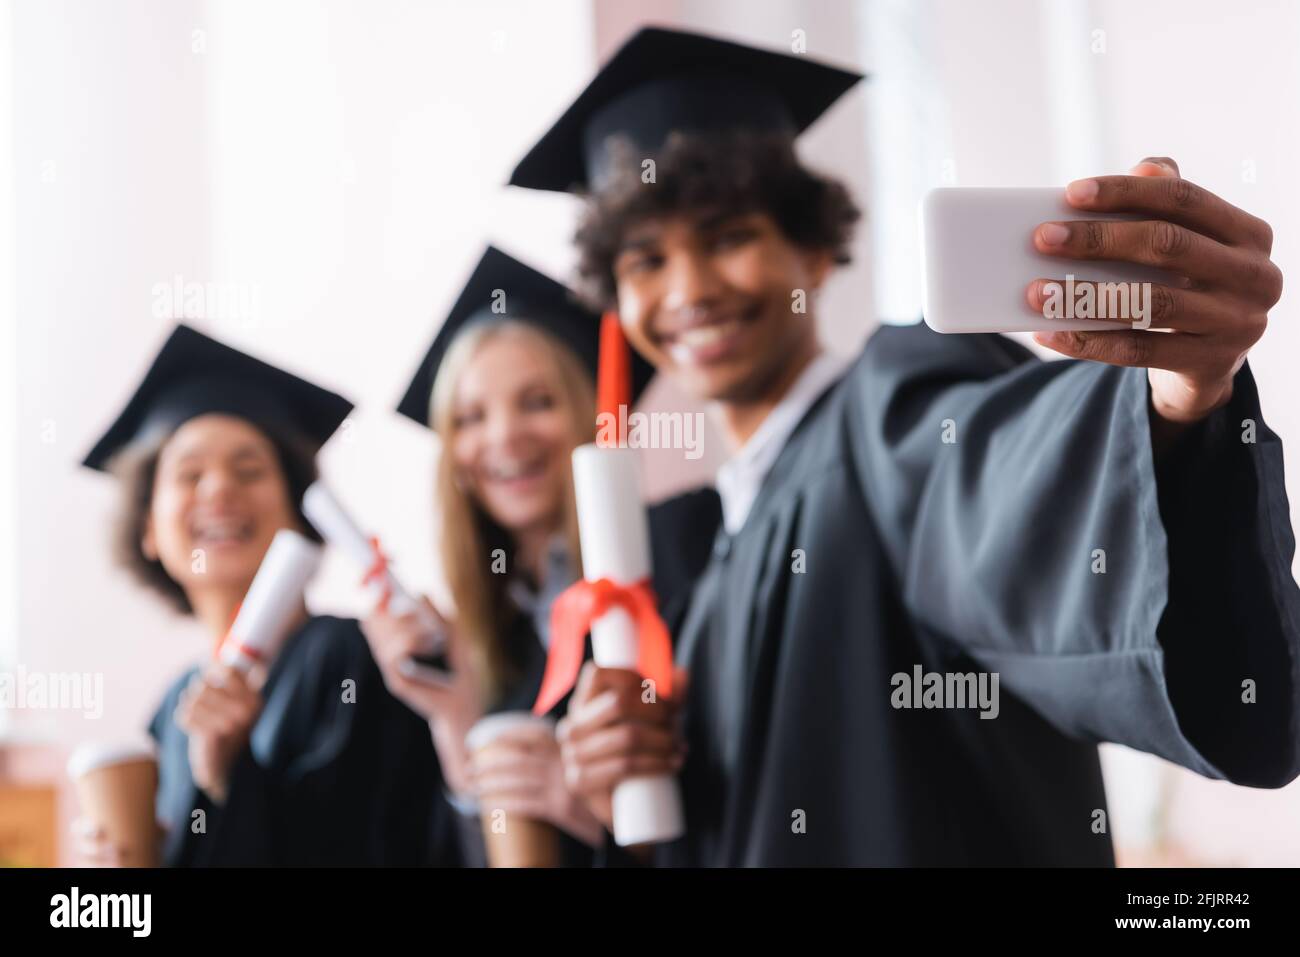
(512, 434)
(219, 496)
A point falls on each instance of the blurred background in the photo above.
(332, 170)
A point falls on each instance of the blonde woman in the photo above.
(508, 388)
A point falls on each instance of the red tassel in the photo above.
(378, 571)
(614, 374)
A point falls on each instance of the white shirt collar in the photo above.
(741, 476)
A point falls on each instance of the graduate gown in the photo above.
(324, 781)
(943, 505)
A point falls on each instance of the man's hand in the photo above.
(612, 733)
(1208, 321)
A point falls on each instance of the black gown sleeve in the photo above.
(1027, 519)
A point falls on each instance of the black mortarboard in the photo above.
(501, 287)
(194, 374)
(664, 81)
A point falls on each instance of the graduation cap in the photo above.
(194, 374)
(500, 288)
(665, 81)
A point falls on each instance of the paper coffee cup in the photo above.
(512, 840)
(117, 785)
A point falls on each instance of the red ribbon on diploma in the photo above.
(252, 654)
(571, 616)
(378, 570)
(221, 642)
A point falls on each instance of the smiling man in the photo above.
(1109, 537)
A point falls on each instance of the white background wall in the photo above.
(112, 176)
(345, 160)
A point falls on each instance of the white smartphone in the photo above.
(979, 259)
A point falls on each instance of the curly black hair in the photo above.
(703, 174)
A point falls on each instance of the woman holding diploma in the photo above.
(508, 387)
(296, 761)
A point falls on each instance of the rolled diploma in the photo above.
(273, 599)
(615, 539)
(337, 527)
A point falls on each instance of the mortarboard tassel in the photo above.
(613, 375)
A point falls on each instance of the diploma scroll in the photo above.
(337, 527)
(615, 539)
(273, 599)
(341, 531)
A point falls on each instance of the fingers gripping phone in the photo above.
(979, 259)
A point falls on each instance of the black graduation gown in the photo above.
(323, 781)
(979, 555)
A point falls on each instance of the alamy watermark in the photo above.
(1116, 301)
(952, 689)
(129, 911)
(236, 302)
(652, 430)
(21, 690)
